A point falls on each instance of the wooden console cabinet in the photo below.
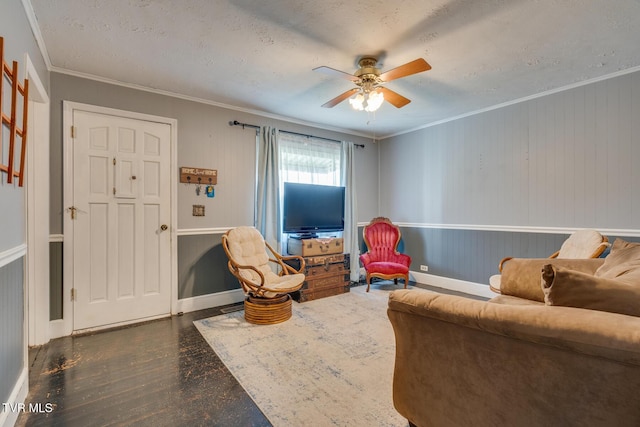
(326, 275)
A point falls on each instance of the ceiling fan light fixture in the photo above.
(374, 101)
(369, 95)
(357, 102)
(367, 101)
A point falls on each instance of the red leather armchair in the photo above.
(383, 259)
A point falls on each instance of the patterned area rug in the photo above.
(331, 364)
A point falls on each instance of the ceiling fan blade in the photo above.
(394, 98)
(338, 99)
(413, 67)
(336, 73)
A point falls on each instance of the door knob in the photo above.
(163, 227)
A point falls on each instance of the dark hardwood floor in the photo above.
(157, 373)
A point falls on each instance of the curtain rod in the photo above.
(246, 125)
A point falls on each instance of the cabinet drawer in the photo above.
(310, 295)
(325, 282)
(322, 270)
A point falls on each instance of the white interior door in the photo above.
(121, 212)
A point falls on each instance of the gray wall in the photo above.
(205, 140)
(565, 160)
(202, 266)
(18, 40)
(55, 281)
(12, 343)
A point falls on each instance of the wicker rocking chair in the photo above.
(267, 293)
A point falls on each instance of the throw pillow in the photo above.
(575, 289)
(622, 263)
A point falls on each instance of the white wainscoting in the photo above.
(18, 395)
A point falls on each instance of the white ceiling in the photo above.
(259, 55)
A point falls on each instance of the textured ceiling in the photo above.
(259, 55)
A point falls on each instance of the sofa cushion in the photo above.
(622, 263)
(570, 288)
(511, 300)
(521, 276)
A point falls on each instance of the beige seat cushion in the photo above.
(247, 247)
(494, 283)
(582, 244)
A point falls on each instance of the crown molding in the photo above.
(37, 34)
(260, 113)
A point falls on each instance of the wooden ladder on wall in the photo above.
(10, 122)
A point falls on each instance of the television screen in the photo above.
(310, 208)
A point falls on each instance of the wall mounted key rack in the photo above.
(198, 176)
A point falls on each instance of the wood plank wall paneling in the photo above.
(12, 345)
(564, 160)
(473, 255)
(202, 266)
(55, 281)
(202, 270)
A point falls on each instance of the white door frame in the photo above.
(67, 120)
(37, 209)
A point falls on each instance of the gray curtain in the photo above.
(350, 234)
(268, 198)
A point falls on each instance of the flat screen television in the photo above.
(310, 208)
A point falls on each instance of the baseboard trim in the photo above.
(202, 302)
(119, 324)
(471, 288)
(58, 328)
(18, 395)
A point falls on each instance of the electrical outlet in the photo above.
(424, 268)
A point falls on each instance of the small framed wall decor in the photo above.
(198, 210)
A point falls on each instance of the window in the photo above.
(300, 159)
(309, 160)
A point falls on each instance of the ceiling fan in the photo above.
(369, 93)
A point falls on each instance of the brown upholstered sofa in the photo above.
(516, 361)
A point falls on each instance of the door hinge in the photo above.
(73, 131)
(73, 294)
(114, 161)
(114, 191)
